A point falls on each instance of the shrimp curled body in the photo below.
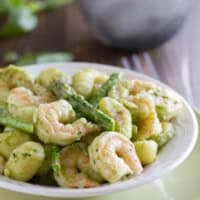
(22, 103)
(122, 116)
(11, 77)
(75, 168)
(166, 103)
(149, 125)
(114, 156)
(55, 123)
(16, 77)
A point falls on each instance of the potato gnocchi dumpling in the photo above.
(86, 81)
(25, 161)
(11, 139)
(46, 76)
(146, 151)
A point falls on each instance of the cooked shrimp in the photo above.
(55, 124)
(148, 123)
(114, 156)
(141, 85)
(16, 77)
(135, 86)
(126, 89)
(166, 134)
(22, 103)
(75, 170)
(122, 116)
(86, 81)
(11, 77)
(121, 90)
(45, 95)
(137, 97)
(167, 105)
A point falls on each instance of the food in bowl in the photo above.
(83, 131)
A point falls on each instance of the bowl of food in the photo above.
(85, 129)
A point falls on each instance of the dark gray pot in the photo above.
(134, 24)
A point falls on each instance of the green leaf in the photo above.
(53, 4)
(44, 57)
(20, 20)
(17, 3)
(36, 6)
(21, 14)
(3, 6)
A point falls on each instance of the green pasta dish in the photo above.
(81, 131)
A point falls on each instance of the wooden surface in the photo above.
(176, 63)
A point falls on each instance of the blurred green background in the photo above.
(20, 17)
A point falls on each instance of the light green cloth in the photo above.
(181, 184)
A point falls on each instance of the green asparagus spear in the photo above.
(103, 91)
(8, 120)
(80, 105)
(56, 159)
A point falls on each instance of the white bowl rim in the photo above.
(37, 190)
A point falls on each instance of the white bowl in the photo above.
(172, 155)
